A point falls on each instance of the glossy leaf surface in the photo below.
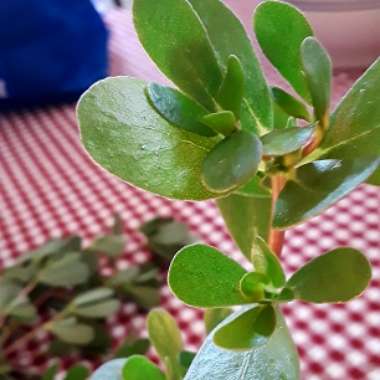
(265, 261)
(178, 109)
(223, 122)
(202, 276)
(228, 37)
(336, 276)
(232, 162)
(277, 359)
(317, 67)
(246, 217)
(358, 112)
(280, 29)
(231, 92)
(124, 134)
(140, 368)
(248, 330)
(174, 37)
(283, 141)
(254, 188)
(319, 185)
(164, 334)
(289, 104)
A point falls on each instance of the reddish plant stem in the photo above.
(276, 237)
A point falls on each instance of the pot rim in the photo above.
(336, 5)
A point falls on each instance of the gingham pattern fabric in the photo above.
(50, 188)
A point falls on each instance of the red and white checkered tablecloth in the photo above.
(50, 188)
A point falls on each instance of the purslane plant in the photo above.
(270, 159)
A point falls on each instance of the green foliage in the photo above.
(198, 269)
(69, 330)
(290, 105)
(281, 142)
(140, 368)
(213, 317)
(248, 330)
(139, 145)
(318, 70)
(336, 276)
(280, 30)
(178, 109)
(132, 346)
(232, 162)
(277, 359)
(223, 122)
(77, 372)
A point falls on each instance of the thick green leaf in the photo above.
(265, 261)
(223, 122)
(174, 37)
(280, 29)
(70, 331)
(252, 286)
(336, 276)
(101, 309)
(164, 334)
(132, 347)
(185, 359)
(317, 67)
(231, 92)
(358, 111)
(68, 270)
(246, 217)
(123, 133)
(93, 296)
(9, 291)
(319, 185)
(232, 162)
(178, 109)
(213, 317)
(140, 368)
(375, 178)
(110, 371)
(284, 141)
(146, 296)
(77, 372)
(249, 330)
(254, 188)
(202, 276)
(275, 360)
(289, 104)
(22, 309)
(228, 37)
(112, 245)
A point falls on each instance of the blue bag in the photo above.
(50, 51)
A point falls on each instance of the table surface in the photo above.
(50, 188)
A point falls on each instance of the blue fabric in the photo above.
(50, 50)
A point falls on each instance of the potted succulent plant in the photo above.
(270, 159)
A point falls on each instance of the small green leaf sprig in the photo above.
(270, 158)
(59, 288)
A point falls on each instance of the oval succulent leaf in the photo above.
(280, 29)
(178, 109)
(223, 122)
(265, 261)
(164, 334)
(250, 329)
(176, 40)
(70, 331)
(123, 133)
(254, 188)
(289, 104)
(252, 286)
(284, 141)
(232, 162)
(212, 317)
(230, 95)
(319, 185)
(202, 276)
(317, 67)
(138, 367)
(277, 359)
(228, 37)
(246, 217)
(336, 276)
